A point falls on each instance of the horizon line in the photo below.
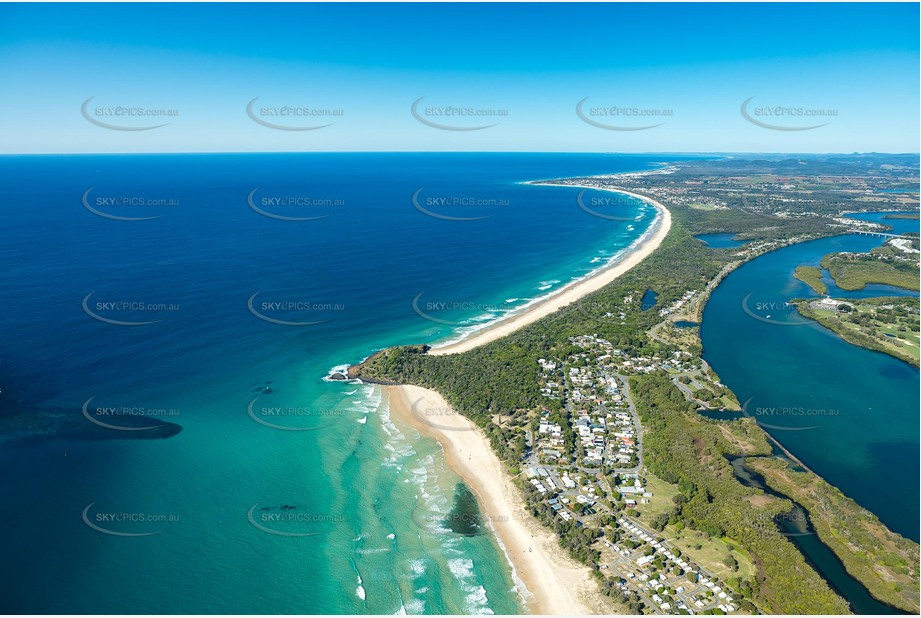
(582, 152)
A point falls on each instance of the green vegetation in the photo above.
(811, 276)
(885, 324)
(685, 448)
(680, 446)
(853, 271)
(885, 563)
(721, 556)
(903, 215)
(708, 513)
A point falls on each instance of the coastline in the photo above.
(572, 291)
(555, 584)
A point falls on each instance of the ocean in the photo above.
(171, 441)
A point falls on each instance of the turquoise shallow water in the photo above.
(238, 513)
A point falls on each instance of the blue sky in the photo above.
(687, 68)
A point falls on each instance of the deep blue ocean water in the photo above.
(165, 294)
(848, 413)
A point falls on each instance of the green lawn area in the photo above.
(661, 501)
(907, 342)
(712, 553)
(730, 403)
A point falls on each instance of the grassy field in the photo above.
(712, 552)
(862, 327)
(811, 276)
(661, 501)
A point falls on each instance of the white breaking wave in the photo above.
(461, 568)
(417, 566)
(476, 601)
(415, 607)
(460, 334)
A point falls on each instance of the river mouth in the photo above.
(797, 526)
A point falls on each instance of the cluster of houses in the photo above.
(756, 248)
(550, 442)
(631, 493)
(607, 360)
(678, 304)
(903, 244)
(704, 594)
(562, 490)
(551, 380)
(603, 423)
(605, 433)
(591, 434)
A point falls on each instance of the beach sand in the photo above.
(556, 584)
(569, 293)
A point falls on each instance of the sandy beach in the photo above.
(557, 585)
(571, 292)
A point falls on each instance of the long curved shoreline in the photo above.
(554, 583)
(573, 291)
